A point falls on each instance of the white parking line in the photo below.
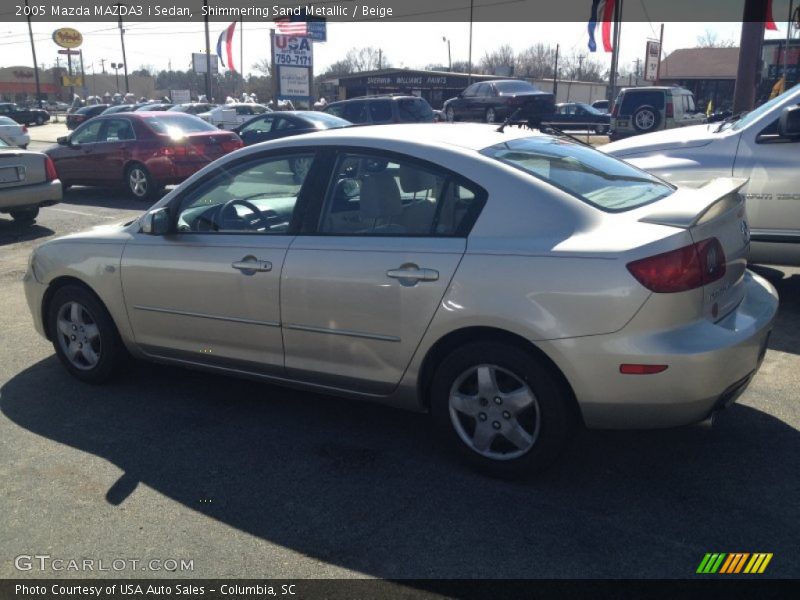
(85, 214)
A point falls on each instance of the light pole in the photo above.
(449, 56)
(117, 66)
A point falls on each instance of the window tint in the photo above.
(244, 110)
(471, 90)
(415, 110)
(260, 125)
(601, 180)
(118, 130)
(337, 110)
(258, 109)
(633, 100)
(255, 197)
(483, 90)
(371, 195)
(88, 133)
(513, 87)
(356, 112)
(283, 124)
(380, 111)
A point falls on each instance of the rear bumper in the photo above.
(709, 366)
(27, 196)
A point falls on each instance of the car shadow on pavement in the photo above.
(12, 232)
(786, 332)
(110, 197)
(373, 490)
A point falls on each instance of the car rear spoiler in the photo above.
(690, 206)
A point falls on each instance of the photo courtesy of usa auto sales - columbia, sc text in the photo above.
(157, 10)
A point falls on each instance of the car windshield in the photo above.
(177, 125)
(324, 120)
(590, 109)
(596, 178)
(510, 87)
(748, 118)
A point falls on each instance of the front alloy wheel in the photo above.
(139, 183)
(450, 114)
(491, 115)
(79, 336)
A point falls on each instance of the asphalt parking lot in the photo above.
(247, 479)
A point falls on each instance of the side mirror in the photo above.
(156, 222)
(63, 140)
(789, 123)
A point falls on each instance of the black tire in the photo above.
(24, 146)
(490, 116)
(646, 119)
(554, 413)
(139, 182)
(25, 216)
(450, 114)
(110, 348)
(39, 120)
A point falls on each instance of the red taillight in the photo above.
(670, 110)
(50, 172)
(231, 145)
(681, 270)
(614, 109)
(635, 369)
(175, 151)
(24, 129)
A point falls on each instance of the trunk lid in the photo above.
(715, 217)
(21, 168)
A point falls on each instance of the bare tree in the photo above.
(535, 62)
(263, 67)
(500, 61)
(710, 39)
(366, 59)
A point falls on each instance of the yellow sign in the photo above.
(66, 37)
(74, 81)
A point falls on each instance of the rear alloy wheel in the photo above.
(39, 120)
(140, 183)
(450, 114)
(645, 119)
(491, 115)
(504, 412)
(25, 216)
(84, 335)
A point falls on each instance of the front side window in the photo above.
(380, 111)
(262, 125)
(604, 182)
(356, 112)
(118, 130)
(372, 195)
(88, 133)
(255, 197)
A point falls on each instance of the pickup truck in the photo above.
(762, 146)
(24, 116)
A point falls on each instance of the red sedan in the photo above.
(143, 151)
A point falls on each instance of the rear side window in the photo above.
(414, 110)
(633, 100)
(380, 111)
(604, 182)
(177, 124)
(514, 87)
(355, 112)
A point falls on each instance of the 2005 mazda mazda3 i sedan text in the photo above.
(511, 283)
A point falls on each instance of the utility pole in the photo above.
(103, 65)
(380, 58)
(208, 54)
(124, 58)
(615, 49)
(636, 73)
(555, 75)
(744, 92)
(786, 49)
(449, 56)
(660, 54)
(581, 58)
(469, 67)
(35, 64)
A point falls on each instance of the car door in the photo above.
(770, 163)
(465, 106)
(358, 291)
(208, 292)
(75, 162)
(113, 149)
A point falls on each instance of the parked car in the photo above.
(153, 107)
(111, 110)
(494, 101)
(58, 106)
(28, 181)
(512, 284)
(144, 151)
(84, 114)
(273, 125)
(14, 134)
(602, 105)
(380, 110)
(192, 108)
(230, 116)
(648, 109)
(24, 116)
(580, 116)
(762, 146)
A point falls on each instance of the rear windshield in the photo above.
(178, 124)
(510, 87)
(324, 121)
(633, 100)
(604, 182)
(414, 110)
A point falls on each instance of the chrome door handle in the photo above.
(410, 274)
(252, 264)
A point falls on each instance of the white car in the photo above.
(14, 134)
(230, 116)
(762, 146)
(512, 284)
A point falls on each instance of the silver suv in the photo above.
(646, 109)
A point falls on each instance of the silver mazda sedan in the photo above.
(512, 284)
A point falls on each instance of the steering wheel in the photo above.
(254, 223)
